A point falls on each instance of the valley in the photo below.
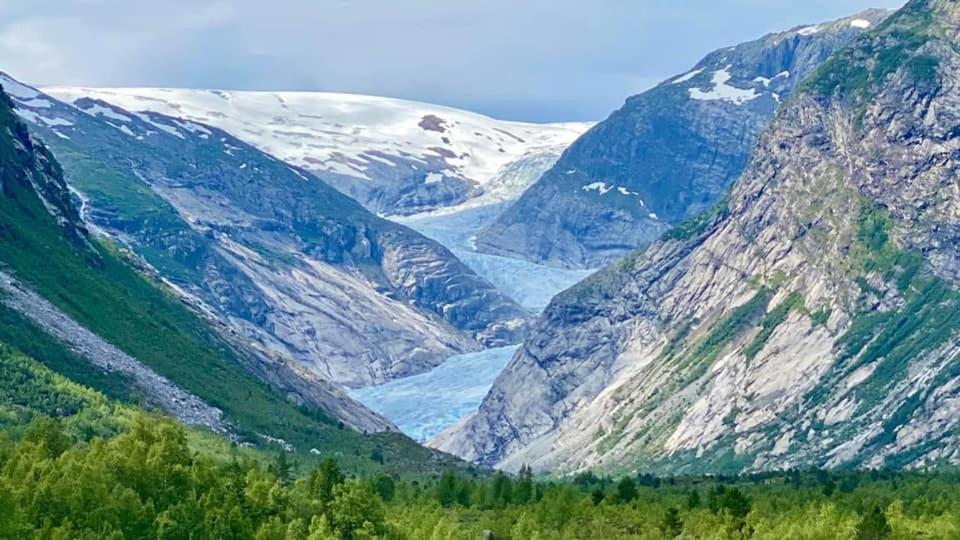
(729, 308)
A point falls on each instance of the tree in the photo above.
(626, 490)
(356, 508)
(502, 489)
(874, 526)
(324, 479)
(672, 526)
(281, 468)
(385, 487)
(48, 434)
(524, 492)
(693, 499)
(447, 489)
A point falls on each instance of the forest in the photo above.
(149, 480)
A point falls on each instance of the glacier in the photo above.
(425, 404)
(529, 284)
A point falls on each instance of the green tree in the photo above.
(626, 490)
(524, 490)
(672, 526)
(48, 434)
(357, 508)
(447, 489)
(385, 487)
(874, 526)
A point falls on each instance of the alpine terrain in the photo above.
(288, 265)
(667, 155)
(811, 318)
(396, 157)
(88, 339)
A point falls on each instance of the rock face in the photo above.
(666, 155)
(292, 267)
(395, 157)
(28, 171)
(813, 319)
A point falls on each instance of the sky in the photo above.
(534, 60)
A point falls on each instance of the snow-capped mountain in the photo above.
(289, 264)
(666, 155)
(396, 157)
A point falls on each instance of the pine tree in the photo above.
(672, 525)
(874, 526)
(626, 490)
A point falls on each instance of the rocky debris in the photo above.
(159, 391)
(667, 155)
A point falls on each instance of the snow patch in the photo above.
(860, 23)
(722, 91)
(687, 77)
(600, 187)
(36, 104)
(97, 110)
(809, 30)
(433, 178)
(17, 90)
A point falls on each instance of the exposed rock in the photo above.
(812, 320)
(295, 268)
(668, 154)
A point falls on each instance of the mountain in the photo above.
(811, 319)
(668, 154)
(87, 338)
(395, 157)
(289, 265)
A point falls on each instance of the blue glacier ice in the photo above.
(531, 285)
(424, 405)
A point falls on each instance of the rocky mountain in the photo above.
(396, 157)
(290, 266)
(76, 306)
(811, 319)
(668, 154)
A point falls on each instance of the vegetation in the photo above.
(148, 482)
(771, 321)
(856, 73)
(699, 224)
(98, 287)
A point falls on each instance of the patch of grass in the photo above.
(698, 225)
(771, 321)
(857, 72)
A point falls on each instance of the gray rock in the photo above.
(667, 155)
(811, 321)
(296, 269)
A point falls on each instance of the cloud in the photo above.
(531, 59)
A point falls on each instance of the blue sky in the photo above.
(538, 60)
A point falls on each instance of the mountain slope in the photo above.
(666, 155)
(813, 319)
(288, 264)
(393, 156)
(76, 306)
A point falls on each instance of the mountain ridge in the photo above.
(286, 261)
(810, 321)
(666, 155)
